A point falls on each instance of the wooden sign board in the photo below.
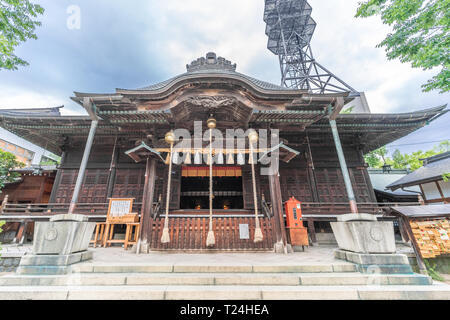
(244, 232)
(120, 209)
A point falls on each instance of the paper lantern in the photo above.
(230, 159)
(251, 158)
(219, 158)
(197, 158)
(188, 159)
(240, 159)
(208, 159)
(176, 157)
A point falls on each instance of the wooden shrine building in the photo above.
(121, 149)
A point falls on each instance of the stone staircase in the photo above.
(150, 281)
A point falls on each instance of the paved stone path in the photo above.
(15, 249)
(312, 255)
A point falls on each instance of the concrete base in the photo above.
(325, 239)
(9, 263)
(363, 234)
(144, 248)
(51, 264)
(58, 244)
(63, 235)
(280, 248)
(377, 263)
(299, 248)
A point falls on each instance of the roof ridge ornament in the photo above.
(211, 62)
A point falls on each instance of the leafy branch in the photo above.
(412, 161)
(17, 24)
(420, 35)
(446, 177)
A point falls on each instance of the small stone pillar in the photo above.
(58, 244)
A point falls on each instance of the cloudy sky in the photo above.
(134, 43)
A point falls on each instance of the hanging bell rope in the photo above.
(210, 240)
(253, 138)
(170, 138)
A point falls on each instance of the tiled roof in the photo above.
(431, 171)
(40, 112)
(259, 83)
(211, 65)
(381, 179)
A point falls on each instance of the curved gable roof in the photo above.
(214, 73)
(212, 67)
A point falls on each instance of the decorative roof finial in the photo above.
(211, 62)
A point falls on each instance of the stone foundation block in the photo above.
(376, 258)
(51, 264)
(62, 237)
(376, 263)
(365, 236)
(385, 269)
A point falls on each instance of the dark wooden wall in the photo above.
(128, 181)
(319, 178)
(309, 178)
(33, 189)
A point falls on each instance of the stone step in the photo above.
(145, 268)
(216, 279)
(434, 292)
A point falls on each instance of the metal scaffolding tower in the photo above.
(290, 29)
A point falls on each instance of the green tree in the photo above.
(17, 24)
(348, 110)
(444, 146)
(373, 160)
(412, 161)
(1, 230)
(400, 161)
(420, 34)
(377, 158)
(8, 162)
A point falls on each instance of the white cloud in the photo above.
(347, 46)
(15, 98)
(189, 29)
(178, 32)
(342, 43)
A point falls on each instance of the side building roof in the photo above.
(373, 130)
(433, 170)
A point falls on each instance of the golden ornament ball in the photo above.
(212, 123)
(170, 137)
(253, 136)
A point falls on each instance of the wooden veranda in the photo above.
(188, 228)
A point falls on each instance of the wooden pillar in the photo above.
(403, 231)
(57, 181)
(112, 170)
(344, 168)
(366, 176)
(312, 174)
(277, 207)
(4, 204)
(441, 193)
(21, 233)
(419, 258)
(147, 203)
(84, 162)
(312, 230)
